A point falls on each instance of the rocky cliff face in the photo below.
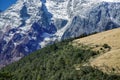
(96, 18)
(30, 25)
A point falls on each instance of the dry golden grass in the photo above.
(108, 61)
(111, 58)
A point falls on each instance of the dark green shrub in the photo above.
(106, 46)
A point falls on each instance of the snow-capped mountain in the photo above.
(30, 25)
(93, 16)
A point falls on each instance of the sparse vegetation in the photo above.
(110, 52)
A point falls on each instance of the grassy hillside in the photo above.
(111, 57)
(60, 61)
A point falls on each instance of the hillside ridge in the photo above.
(110, 58)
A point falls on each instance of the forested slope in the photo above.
(60, 61)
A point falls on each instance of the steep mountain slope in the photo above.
(30, 25)
(95, 18)
(60, 61)
(109, 59)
